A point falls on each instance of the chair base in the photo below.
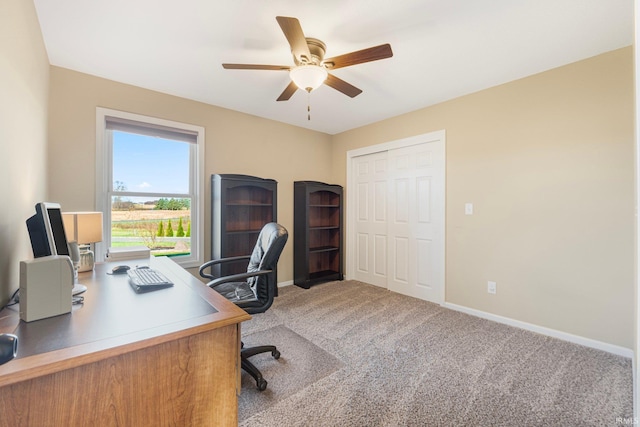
(250, 368)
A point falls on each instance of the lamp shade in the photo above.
(83, 227)
(308, 77)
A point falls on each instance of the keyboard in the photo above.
(147, 279)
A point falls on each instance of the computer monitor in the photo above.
(46, 231)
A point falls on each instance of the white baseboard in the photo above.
(576, 339)
(587, 342)
(287, 283)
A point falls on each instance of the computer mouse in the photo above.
(120, 269)
(8, 347)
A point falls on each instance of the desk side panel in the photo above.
(189, 381)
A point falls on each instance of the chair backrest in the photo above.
(265, 256)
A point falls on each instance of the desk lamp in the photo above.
(83, 228)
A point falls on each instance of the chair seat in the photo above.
(236, 292)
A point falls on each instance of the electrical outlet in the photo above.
(491, 287)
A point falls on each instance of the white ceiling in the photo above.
(442, 48)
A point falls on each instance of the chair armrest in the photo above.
(218, 261)
(237, 277)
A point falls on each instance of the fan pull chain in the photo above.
(309, 105)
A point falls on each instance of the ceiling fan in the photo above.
(311, 68)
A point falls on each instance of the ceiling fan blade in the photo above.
(288, 92)
(342, 86)
(255, 67)
(293, 32)
(361, 56)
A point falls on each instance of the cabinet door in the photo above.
(370, 217)
(416, 218)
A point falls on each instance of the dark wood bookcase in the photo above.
(317, 233)
(240, 206)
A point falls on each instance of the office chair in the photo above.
(254, 290)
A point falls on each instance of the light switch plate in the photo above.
(468, 208)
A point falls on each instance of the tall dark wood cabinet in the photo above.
(317, 233)
(240, 206)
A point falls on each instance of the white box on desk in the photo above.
(46, 285)
(128, 252)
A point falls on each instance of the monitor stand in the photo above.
(78, 289)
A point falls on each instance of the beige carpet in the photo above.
(301, 364)
(369, 357)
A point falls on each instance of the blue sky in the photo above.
(148, 164)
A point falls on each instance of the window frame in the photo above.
(104, 180)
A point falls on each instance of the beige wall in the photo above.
(235, 143)
(548, 162)
(24, 87)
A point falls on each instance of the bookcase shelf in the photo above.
(317, 235)
(240, 206)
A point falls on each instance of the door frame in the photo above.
(350, 212)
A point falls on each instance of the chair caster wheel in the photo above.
(261, 384)
(275, 354)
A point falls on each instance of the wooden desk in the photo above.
(168, 357)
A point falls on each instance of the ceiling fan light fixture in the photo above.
(308, 77)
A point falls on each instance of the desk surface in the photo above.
(114, 320)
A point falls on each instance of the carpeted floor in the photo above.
(357, 355)
(304, 364)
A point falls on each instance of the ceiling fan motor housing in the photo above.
(317, 48)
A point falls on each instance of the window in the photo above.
(149, 183)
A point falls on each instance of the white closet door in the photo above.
(371, 218)
(415, 230)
